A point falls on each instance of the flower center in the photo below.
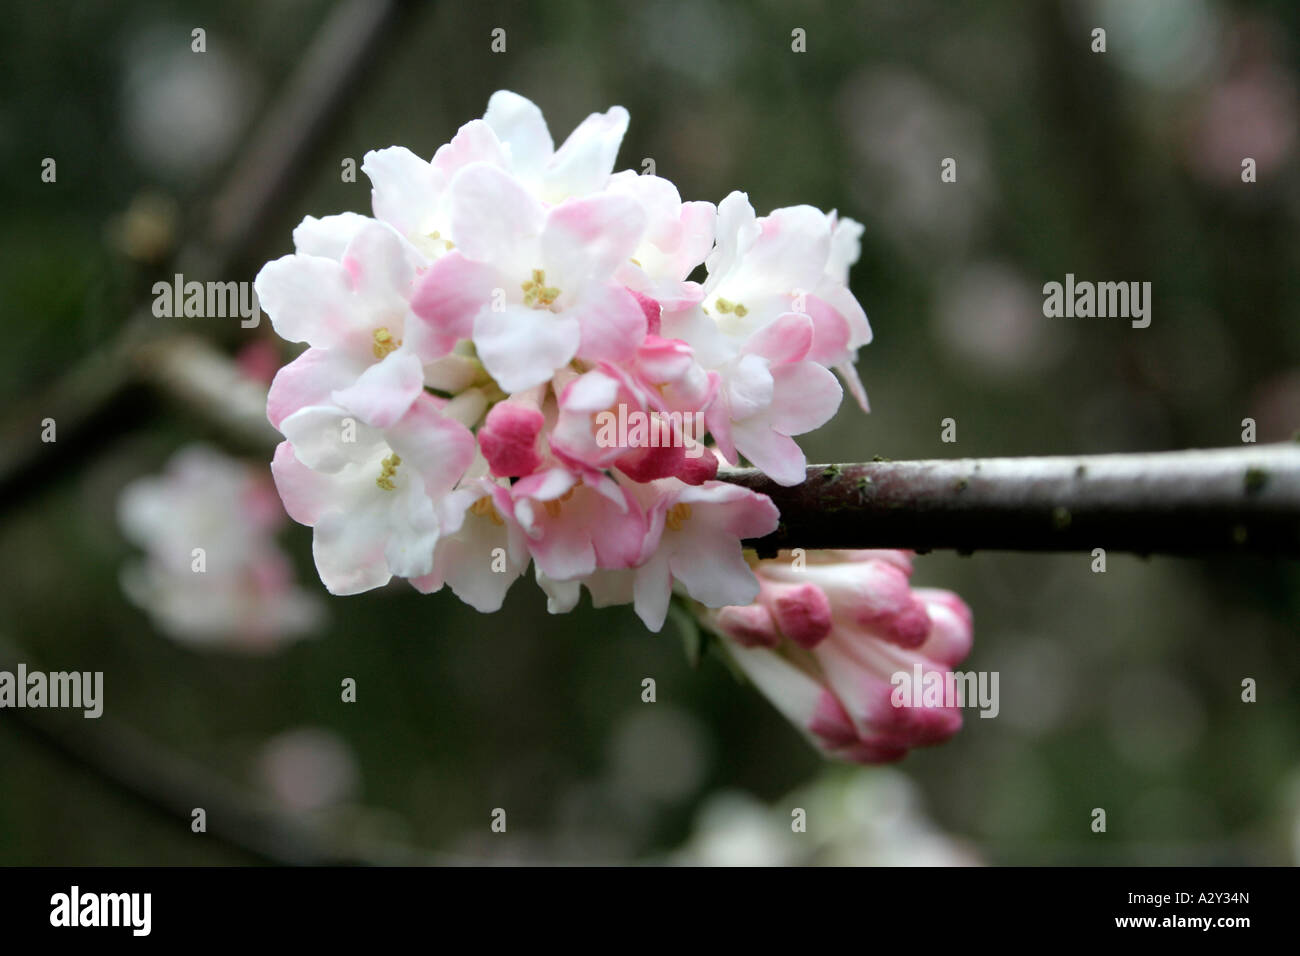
(726, 307)
(677, 515)
(388, 469)
(537, 293)
(553, 506)
(384, 342)
(484, 508)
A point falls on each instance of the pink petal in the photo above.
(585, 240)
(305, 493)
(612, 322)
(776, 455)
(439, 448)
(384, 391)
(508, 439)
(450, 294)
(787, 339)
(473, 143)
(805, 396)
(308, 380)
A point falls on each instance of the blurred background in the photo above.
(1119, 690)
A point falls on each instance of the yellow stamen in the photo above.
(741, 310)
(537, 294)
(385, 343)
(385, 479)
(676, 515)
(724, 305)
(484, 508)
(552, 508)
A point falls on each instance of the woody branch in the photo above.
(1226, 500)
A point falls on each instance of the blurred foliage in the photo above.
(1119, 690)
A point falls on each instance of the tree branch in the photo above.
(1225, 500)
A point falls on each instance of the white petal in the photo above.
(494, 218)
(308, 299)
(584, 162)
(406, 188)
(329, 235)
(320, 437)
(349, 550)
(523, 347)
(519, 124)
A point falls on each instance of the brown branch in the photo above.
(1224, 500)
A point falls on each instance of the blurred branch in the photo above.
(1224, 500)
(92, 403)
(206, 383)
(168, 782)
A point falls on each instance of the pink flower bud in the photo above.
(850, 653)
(508, 439)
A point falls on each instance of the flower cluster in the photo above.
(833, 640)
(213, 574)
(468, 344)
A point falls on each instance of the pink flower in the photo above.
(353, 313)
(677, 239)
(530, 286)
(510, 436)
(608, 419)
(693, 539)
(831, 643)
(577, 522)
(411, 194)
(481, 550)
(372, 496)
(575, 368)
(580, 166)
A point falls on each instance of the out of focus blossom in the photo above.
(309, 769)
(856, 818)
(212, 574)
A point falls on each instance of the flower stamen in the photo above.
(537, 294)
(389, 468)
(484, 508)
(384, 342)
(677, 515)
